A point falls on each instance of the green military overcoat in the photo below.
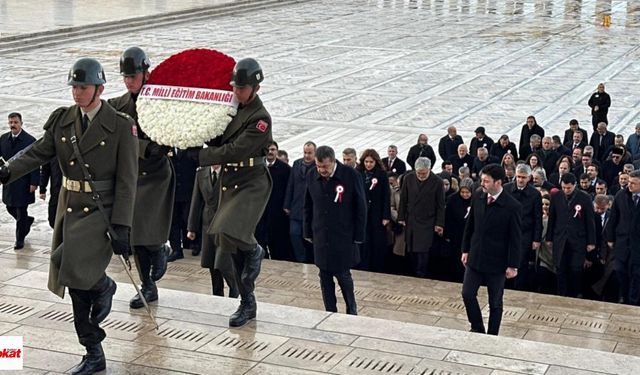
(244, 191)
(156, 187)
(80, 247)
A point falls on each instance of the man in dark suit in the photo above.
(619, 232)
(421, 211)
(392, 162)
(599, 102)
(634, 287)
(490, 247)
(184, 168)
(571, 233)
(548, 156)
(531, 202)
(574, 126)
(272, 231)
(448, 144)
(294, 201)
(335, 212)
(461, 159)
(529, 129)
(480, 140)
(577, 141)
(50, 174)
(503, 146)
(20, 194)
(601, 141)
(421, 149)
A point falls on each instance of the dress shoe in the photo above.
(159, 262)
(19, 245)
(93, 362)
(102, 303)
(175, 255)
(195, 251)
(246, 311)
(150, 293)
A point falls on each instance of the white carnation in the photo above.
(182, 124)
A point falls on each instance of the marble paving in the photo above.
(365, 74)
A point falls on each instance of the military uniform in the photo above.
(153, 206)
(108, 149)
(245, 186)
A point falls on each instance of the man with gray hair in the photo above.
(350, 157)
(540, 180)
(531, 202)
(421, 211)
(633, 143)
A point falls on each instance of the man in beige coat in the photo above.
(81, 249)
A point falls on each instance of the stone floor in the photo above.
(408, 325)
(370, 73)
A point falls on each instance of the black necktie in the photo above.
(636, 198)
(85, 123)
(213, 178)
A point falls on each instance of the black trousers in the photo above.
(178, 232)
(329, 290)
(89, 333)
(23, 221)
(570, 276)
(495, 287)
(217, 284)
(419, 263)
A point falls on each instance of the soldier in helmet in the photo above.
(245, 183)
(156, 185)
(81, 249)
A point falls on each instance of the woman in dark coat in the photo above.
(373, 251)
(455, 219)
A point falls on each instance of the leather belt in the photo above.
(84, 186)
(251, 162)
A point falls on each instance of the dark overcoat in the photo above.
(571, 222)
(81, 249)
(493, 233)
(296, 188)
(374, 248)
(531, 202)
(421, 208)
(398, 166)
(156, 186)
(619, 228)
(17, 194)
(204, 203)
(335, 225)
(273, 228)
(244, 191)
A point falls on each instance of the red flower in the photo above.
(199, 67)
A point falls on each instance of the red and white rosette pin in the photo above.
(577, 208)
(374, 182)
(339, 192)
(187, 99)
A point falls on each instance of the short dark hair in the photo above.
(15, 114)
(556, 139)
(569, 178)
(392, 174)
(495, 171)
(325, 152)
(309, 143)
(634, 174)
(573, 122)
(283, 153)
(445, 163)
(273, 143)
(601, 182)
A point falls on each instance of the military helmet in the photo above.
(133, 60)
(86, 71)
(247, 72)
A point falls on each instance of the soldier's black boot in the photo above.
(102, 299)
(93, 362)
(159, 261)
(248, 265)
(150, 293)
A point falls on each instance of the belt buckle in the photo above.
(251, 162)
(73, 185)
(87, 187)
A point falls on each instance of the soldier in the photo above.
(245, 183)
(81, 250)
(156, 185)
